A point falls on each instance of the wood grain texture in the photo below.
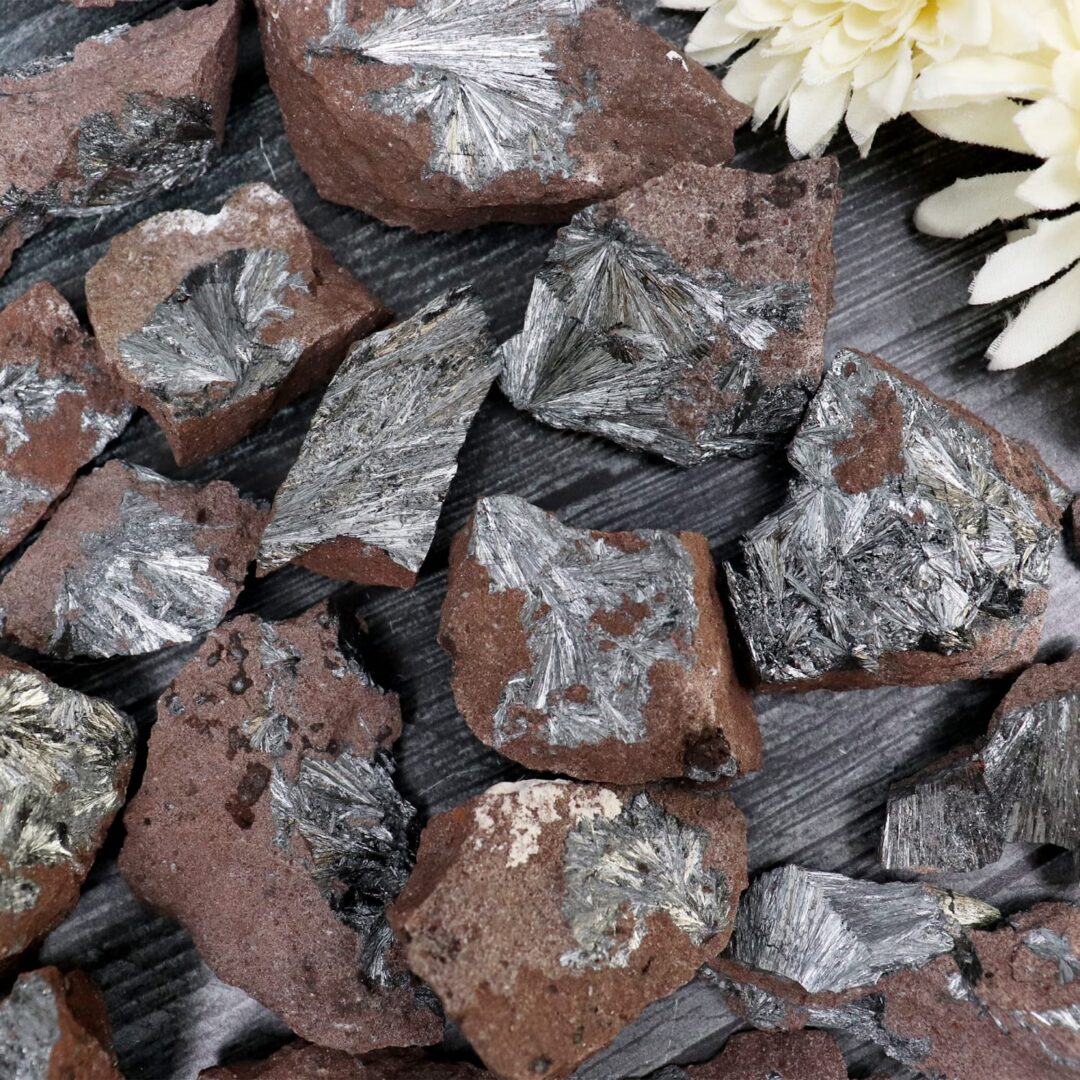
(829, 758)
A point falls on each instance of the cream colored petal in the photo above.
(863, 118)
(967, 206)
(713, 40)
(746, 76)
(814, 114)
(1031, 260)
(975, 78)
(991, 123)
(776, 88)
(890, 94)
(688, 5)
(969, 22)
(1050, 317)
(1016, 26)
(1066, 75)
(1050, 127)
(1053, 186)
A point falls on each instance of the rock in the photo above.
(215, 321)
(672, 320)
(54, 1026)
(547, 914)
(439, 115)
(268, 824)
(601, 655)
(129, 563)
(130, 113)
(1073, 537)
(303, 1061)
(65, 759)
(95, 3)
(362, 500)
(58, 410)
(914, 548)
(759, 1055)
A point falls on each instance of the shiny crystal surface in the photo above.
(29, 1029)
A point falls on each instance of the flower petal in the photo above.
(1053, 186)
(1029, 261)
(814, 114)
(686, 5)
(713, 40)
(989, 123)
(1050, 317)
(1050, 127)
(975, 78)
(967, 206)
(1066, 74)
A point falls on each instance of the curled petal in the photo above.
(1029, 261)
(989, 123)
(1051, 317)
(967, 206)
(1055, 185)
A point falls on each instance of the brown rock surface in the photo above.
(58, 409)
(54, 1026)
(208, 373)
(760, 1055)
(548, 914)
(131, 562)
(131, 112)
(438, 145)
(600, 655)
(268, 825)
(303, 1061)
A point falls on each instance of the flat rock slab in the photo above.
(547, 914)
(601, 655)
(268, 824)
(914, 548)
(54, 1026)
(303, 1061)
(687, 316)
(58, 408)
(441, 115)
(66, 763)
(759, 1055)
(129, 563)
(215, 321)
(130, 113)
(363, 499)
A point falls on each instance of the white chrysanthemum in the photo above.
(817, 62)
(1030, 104)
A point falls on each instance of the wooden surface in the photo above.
(829, 758)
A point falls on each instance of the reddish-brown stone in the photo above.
(1040, 682)
(379, 163)
(761, 1055)
(145, 266)
(303, 1061)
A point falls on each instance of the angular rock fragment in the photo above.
(54, 1026)
(548, 914)
(129, 563)
(363, 499)
(445, 115)
(914, 547)
(58, 410)
(269, 825)
(214, 322)
(304, 1061)
(601, 655)
(759, 1055)
(131, 112)
(671, 320)
(65, 759)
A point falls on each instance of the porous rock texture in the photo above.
(760, 1055)
(58, 408)
(547, 914)
(131, 112)
(600, 655)
(268, 825)
(304, 1061)
(442, 115)
(215, 321)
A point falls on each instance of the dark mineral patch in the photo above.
(215, 321)
(54, 1026)
(303, 1061)
(129, 563)
(129, 113)
(58, 410)
(914, 546)
(672, 320)
(65, 760)
(443, 115)
(363, 499)
(759, 1055)
(269, 825)
(601, 655)
(548, 914)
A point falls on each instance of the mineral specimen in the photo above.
(65, 760)
(303, 1061)
(54, 1026)
(130, 112)
(671, 320)
(362, 501)
(269, 825)
(57, 408)
(442, 114)
(758, 1055)
(215, 321)
(601, 655)
(548, 914)
(129, 563)
(914, 547)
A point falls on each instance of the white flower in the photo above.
(817, 62)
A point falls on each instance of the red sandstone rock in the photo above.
(303, 1061)
(208, 371)
(268, 824)
(58, 409)
(546, 915)
(759, 1055)
(442, 144)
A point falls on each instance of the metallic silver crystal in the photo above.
(617, 336)
(16, 493)
(1046, 944)
(640, 863)
(29, 1029)
(568, 576)
(28, 397)
(484, 75)
(930, 560)
(203, 348)
(382, 449)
